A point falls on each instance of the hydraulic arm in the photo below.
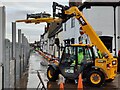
(40, 20)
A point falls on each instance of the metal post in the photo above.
(115, 28)
(26, 50)
(19, 46)
(14, 50)
(23, 51)
(2, 41)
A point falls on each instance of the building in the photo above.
(50, 42)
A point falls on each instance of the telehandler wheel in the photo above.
(52, 74)
(109, 80)
(96, 78)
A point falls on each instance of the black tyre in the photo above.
(96, 78)
(109, 80)
(52, 74)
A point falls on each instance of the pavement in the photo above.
(38, 63)
(34, 66)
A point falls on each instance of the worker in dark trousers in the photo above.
(119, 61)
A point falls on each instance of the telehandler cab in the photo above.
(95, 69)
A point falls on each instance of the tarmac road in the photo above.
(33, 80)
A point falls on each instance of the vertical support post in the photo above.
(19, 47)
(14, 50)
(28, 52)
(2, 44)
(118, 26)
(115, 29)
(23, 52)
(24, 49)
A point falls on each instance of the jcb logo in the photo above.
(82, 21)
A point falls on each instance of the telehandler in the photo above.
(94, 69)
(80, 58)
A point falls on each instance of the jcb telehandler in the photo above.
(95, 69)
(80, 58)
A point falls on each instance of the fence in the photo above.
(13, 55)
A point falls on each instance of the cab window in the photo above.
(69, 54)
(88, 54)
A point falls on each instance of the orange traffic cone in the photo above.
(61, 86)
(80, 84)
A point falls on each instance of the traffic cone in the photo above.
(61, 86)
(80, 84)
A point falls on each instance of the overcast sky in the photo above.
(17, 9)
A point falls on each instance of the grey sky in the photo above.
(17, 9)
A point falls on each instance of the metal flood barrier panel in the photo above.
(14, 68)
(16, 60)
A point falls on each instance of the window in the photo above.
(69, 54)
(88, 54)
(72, 22)
(95, 52)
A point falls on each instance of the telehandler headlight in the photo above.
(114, 62)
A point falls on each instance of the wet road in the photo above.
(38, 63)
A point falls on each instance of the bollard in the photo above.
(61, 82)
(80, 84)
